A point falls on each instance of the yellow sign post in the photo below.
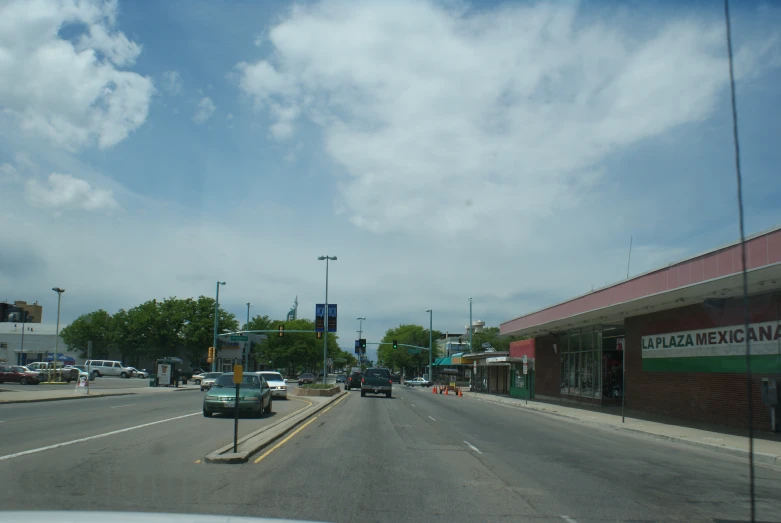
(238, 374)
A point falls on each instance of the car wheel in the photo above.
(201, 389)
(23, 381)
(97, 374)
(198, 382)
(363, 394)
(387, 394)
(123, 374)
(207, 414)
(268, 409)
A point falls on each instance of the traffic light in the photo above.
(395, 344)
(281, 330)
(319, 335)
(363, 344)
(210, 355)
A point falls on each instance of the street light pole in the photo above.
(247, 344)
(325, 326)
(471, 328)
(430, 345)
(216, 316)
(57, 333)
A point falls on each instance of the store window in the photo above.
(581, 370)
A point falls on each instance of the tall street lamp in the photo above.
(430, 344)
(471, 328)
(325, 334)
(247, 344)
(216, 317)
(57, 334)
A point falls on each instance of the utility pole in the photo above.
(247, 344)
(325, 334)
(470, 324)
(57, 335)
(216, 316)
(430, 345)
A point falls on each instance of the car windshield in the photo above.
(212, 375)
(272, 376)
(251, 381)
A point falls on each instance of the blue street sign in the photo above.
(357, 346)
(320, 317)
(331, 317)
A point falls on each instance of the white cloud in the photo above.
(204, 111)
(70, 91)
(172, 82)
(9, 174)
(442, 119)
(64, 191)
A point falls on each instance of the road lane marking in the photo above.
(432, 419)
(88, 438)
(120, 406)
(275, 447)
(568, 519)
(197, 461)
(412, 404)
(472, 447)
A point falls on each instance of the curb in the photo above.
(62, 398)
(769, 459)
(224, 455)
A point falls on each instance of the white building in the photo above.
(34, 343)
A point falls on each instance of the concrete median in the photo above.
(253, 443)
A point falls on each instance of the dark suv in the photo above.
(353, 381)
(396, 378)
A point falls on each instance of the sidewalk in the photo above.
(34, 393)
(727, 440)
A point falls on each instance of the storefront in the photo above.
(671, 340)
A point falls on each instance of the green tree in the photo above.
(491, 335)
(197, 331)
(294, 350)
(401, 358)
(96, 327)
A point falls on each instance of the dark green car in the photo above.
(254, 395)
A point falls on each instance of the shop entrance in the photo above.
(612, 364)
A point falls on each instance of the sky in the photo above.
(503, 151)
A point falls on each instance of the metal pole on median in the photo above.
(57, 335)
(247, 344)
(325, 334)
(216, 316)
(623, 382)
(236, 420)
(470, 325)
(89, 357)
(430, 344)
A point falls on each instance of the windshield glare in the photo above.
(272, 376)
(248, 381)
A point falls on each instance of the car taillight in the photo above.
(390, 381)
(363, 379)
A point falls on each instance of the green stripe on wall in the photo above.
(763, 364)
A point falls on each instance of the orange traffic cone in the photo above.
(446, 391)
(460, 394)
(433, 390)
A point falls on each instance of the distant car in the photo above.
(341, 378)
(82, 371)
(418, 382)
(276, 383)
(377, 381)
(139, 373)
(208, 380)
(197, 378)
(18, 374)
(395, 378)
(254, 395)
(353, 381)
(306, 377)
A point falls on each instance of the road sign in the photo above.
(525, 359)
(526, 368)
(239, 338)
(331, 317)
(320, 317)
(413, 351)
(357, 346)
(238, 373)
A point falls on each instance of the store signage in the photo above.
(719, 341)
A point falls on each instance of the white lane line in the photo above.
(568, 519)
(128, 405)
(432, 419)
(412, 404)
(472, 447)
(88, 438)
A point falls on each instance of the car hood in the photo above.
(67, 516)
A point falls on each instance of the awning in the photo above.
(443, 361)
(503, 359)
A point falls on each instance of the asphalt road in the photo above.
(416, 457)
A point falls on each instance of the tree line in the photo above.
(185, 327)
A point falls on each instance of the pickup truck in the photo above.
(45, 368)
(376, 381)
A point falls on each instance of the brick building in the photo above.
(674, 338)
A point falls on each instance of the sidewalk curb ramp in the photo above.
(262, 438)
(768, 459)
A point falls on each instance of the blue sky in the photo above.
(504, 151)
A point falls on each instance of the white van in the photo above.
(100, 368)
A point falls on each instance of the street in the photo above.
(415, 457)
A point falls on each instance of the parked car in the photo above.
(276, 383)
(306, 377)
(353, 381)
(376, 381)
(197, 378)
(18, 374)
(108, 368)
(418, 382)
(208, 380)
(254, 395)
(44, 368)
(82, 371)
(143, 374)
